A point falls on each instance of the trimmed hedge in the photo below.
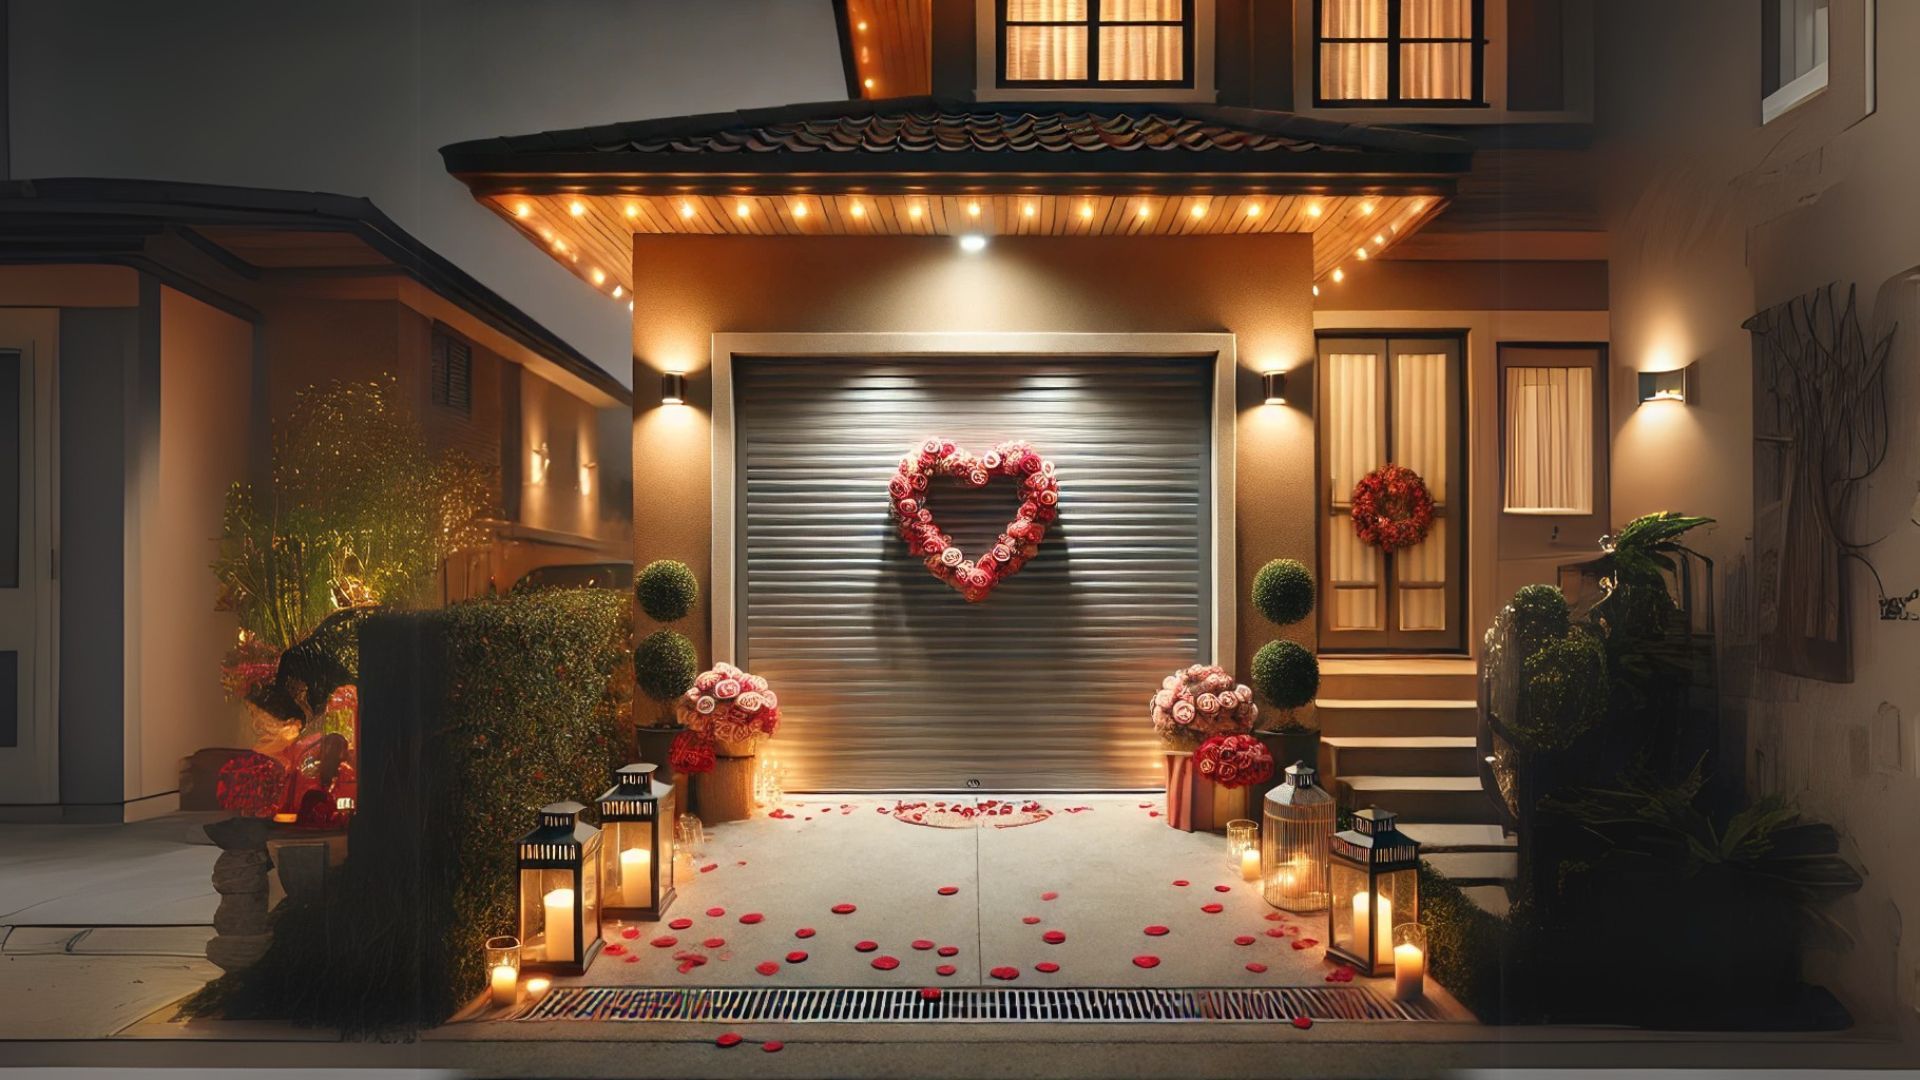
(1283, 591)
(667, 590)
(473, 718)
(665, 664)
(1286, 674)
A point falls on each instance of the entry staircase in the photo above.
(1398, 733)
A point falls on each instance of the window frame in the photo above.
(1093, 24)
(1532, 533)
(441, 346)
(1478, 41)
(1790, 93)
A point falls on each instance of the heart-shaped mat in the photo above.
(1039, 494)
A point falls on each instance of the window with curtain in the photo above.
(1398, 52)
(1549, 440)
(1096, 42)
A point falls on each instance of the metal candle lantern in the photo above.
(1373, 875)
(560, 892)
(1299, 823)
(636, 849)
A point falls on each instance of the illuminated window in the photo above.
(1398, 52)
(1096, 42)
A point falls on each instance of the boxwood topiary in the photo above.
(1283, 591)
(1539, 614)
(1286, 674)
(667, 590)
(665, 664)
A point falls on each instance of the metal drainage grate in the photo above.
(1093, 1006)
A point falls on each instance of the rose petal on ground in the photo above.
(1274, 916)
(885, 963)
(945, 969)
(715, 912)
(766, 967)
(1244, 939)
(929, 993)
(664, 941)
(1304, 943)
(632, 960)
(1005, 973)
(1257, 967)
(804, 932)
(1276, 932)
(1303, 1022)
(949, 950)
(796, 957)
(1046, 967)
(1213, 909)
(1223, 888)
(1156, 930)
(632, 932)
(715, 943)
(865, 946)
(727, 1040)
(1340, 975)
(751, 917)
(772, 1046)
(1049, 896)
(615, 949)
(947, 890)
(1153, 813)
(1145, 961)
(679, 924)
(1181, 882)
(1030, 920)
(922, 944)
(844, 909)
(710, 868)
(1053, 937)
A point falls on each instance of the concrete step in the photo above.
(1476, 867)
(1492, 899)
(1398, 755)
(1437, 838)
(1450, 800)
(1396, 716)
(1399, 677)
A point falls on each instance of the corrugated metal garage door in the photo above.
(889, 679)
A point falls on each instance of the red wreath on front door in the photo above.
(1392, 508)
(938, 457)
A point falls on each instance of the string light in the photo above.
(1199, 211)
(741, 209)
(1366, 208)
(858, 210)
(1379, 241)
(1253, 209)
(868, 84)
(1360, 253)
(618, 292)
(799, 209)
(973, 209)
(1339, 275)
(522, 210)
(1086, 211)
(1143, 211)
(686, 210)
(1027, 210)
(599, 276)
(576, 208)
(633, 210)
(1316, 290)
(1313, 210)
(863, 26)
(914, 211)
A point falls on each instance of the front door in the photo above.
(28, 766)
(1392, 400)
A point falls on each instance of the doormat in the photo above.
(1292, 1004)
(977, 813)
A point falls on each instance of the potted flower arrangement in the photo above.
(1285, 673)
(665, 663)
(1192, 706)
(727, 713)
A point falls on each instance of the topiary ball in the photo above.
(666, 590)
(665, 664)
(1283, 591)
(1286, 674)
(1539, 614)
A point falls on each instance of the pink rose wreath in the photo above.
(937, 457)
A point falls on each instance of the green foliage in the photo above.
(360, 510)
(1283, 591)
(665, 664)
(1471, 951)
(1565, 690)
(1286, 674)
(1539, 613)
(667, 590)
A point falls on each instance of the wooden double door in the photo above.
(1388, 399)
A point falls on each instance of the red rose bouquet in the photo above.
(691, 753)
(1197, 702)
(1233, 761)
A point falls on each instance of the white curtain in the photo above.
(1429, 70)
(1549, 440)
(1353, 71)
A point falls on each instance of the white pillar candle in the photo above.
(1363, 924)
(1250, 864)
(504, 981)
(559, 907)
(635, 877)
(1409, 972)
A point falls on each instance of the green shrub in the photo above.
(1283, 591)
(1286, 674)
(667, 590)
(1539, 612)
(1478, 956)
(1565, 690)
(665, 664)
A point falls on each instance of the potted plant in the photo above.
(1284, 672)
(666, 663)
(726, 714)
(1192, 706)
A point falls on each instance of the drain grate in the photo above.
(1087, 1006)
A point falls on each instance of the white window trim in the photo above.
(986, 56)
(1794, 94)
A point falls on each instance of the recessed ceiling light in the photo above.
(973, 243)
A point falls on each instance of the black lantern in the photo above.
(1373, 874)
(636, 851)
(560, 892)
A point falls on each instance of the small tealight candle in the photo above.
(285, 819)
(1250, 864)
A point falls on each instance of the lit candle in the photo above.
(505, 977)
(1250, 864)
(635, 874)
(1409, 972)
(1382, 932)
(559, 906)
(537, 987)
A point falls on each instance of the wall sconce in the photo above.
(673, 388)
(540, 463)
(1676, 385)
(1274, 385)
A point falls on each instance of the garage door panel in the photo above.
(888, 679)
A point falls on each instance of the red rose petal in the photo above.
(1153, 813)
(947, 890)
(1223, 888)
(1244, 939)
(796, 957)
(615, 949)
(1030, 920)
(949, 950)
(680, 924)
(1276, 932)
(1257, 967)
(715, 912)
(1213, 909)
(632, 932)
(715, 943)
(945, 969)
(751, 917)
(922, 944)
(1155, 930)
(1304, 943)
(710, 868)
(1274, 916)
(1146, 961)
(865, 946)
(1303, 1022)
(1340, 975)
(728, 1040)
(804, 932)
(885, 963)
(1046, 967)
(631, 959)
(772, 1046)
(1053, 937)
(1181, 882)
(1049, 896)
(766, 967)
(664, 941)
(929, 993)
(1005, 973)
(844, 909)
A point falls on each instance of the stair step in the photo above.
(1467, 868)
(1399, 755)
(1492, 899)
(1438, 838)
(1455, 800)
(1396, 716)
(1402, 677)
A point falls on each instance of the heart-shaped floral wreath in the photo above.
(936, 457)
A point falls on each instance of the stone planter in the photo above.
(1197, 804)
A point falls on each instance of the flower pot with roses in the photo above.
(727, 714)
(1193, 706)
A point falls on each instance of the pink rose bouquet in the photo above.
(727, 705)
(1199, 702)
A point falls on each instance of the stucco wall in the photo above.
(689, 288)
(1715, 217)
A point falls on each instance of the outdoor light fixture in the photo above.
(1293, 841)
(973, 243)
(559, 864)
(1274, 383)
(636, 853)
(673, 388)
(1373, 881)
(1676, 385)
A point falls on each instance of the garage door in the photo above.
(888, 679)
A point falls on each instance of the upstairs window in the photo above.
(451, 370)
(1104, 43)
(1793, 43)
(1398, 52)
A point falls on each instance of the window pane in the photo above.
(1046, 10)
(1140, 11)
(1140, 54)
(1803, 37)
(1436, 72)
(1436, 18)
(1353, 72)
(10, 465)
(1354, 19)
(1549, 440)
(1046, 53)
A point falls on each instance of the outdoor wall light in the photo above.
(1274, 383)
(973, 243)
(1676, 385)
(673, 388)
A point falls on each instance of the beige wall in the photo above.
(1715, 217)
(206, 378)
(689, 288)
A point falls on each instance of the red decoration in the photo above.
(751, 917)
(1053, 937)
(1233, 761)
(1146, 961)
(1197, 701)
(844, 909)
(1244, 939)
(725, 705)
(1046, 967)
(885, 963)
(691, 753)
(772, 1046)
(1005, 973)
(251, 785)
(679, 924)
(945, 969)
(1156, 930)
(796, 957)
(865, 946)
(930, 993)
(728, 1040)
(937, 457)
(715, 912)
(1392, 508)
(1212, 909)
(804, 932)
(1257, 967)
(949, 950)
(766, 967)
